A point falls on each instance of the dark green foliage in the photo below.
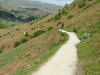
(2, 48)
(24, 40)
(3, 26)
(64, 12)
(17, 44)
(33, 29)
(82, 4)
(17, 29)
(87, 7)
(58, 23)
(50, 20)
(31, 23)
(74, 30)
(70, 16)
(39, 32)
(8, 33)
(50, 28)
(58, 16)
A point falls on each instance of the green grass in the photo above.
(89, 55)
(37, 61)
(43, 58)
(8, 57)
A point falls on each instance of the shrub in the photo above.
(70, 16)
(39, 32)
(33, 29)
(50, 20)
(17, 44)
(8, 33)
(74, 30)
(31, 23)
(58, 16)
(64, 12)
(24, 40)
(82, 4)
(3, 26)
(58, 23)
(50, 28)
(17, 29)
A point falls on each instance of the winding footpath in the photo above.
(64, 61)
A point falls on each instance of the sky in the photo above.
(57, 2)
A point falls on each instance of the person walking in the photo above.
(62, 25)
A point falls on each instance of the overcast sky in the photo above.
(57, 2)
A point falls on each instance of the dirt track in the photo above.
(64, 61)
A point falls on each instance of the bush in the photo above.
(24, 40)
(17, 44)
(50, 28)
(33, 29)
(31, 23)
(82, 4)
(58, 23)
(17, 29)
(58, 16)
(3, 26)
(39, 32)
(8, 33)
(50, 20)
(70, 16)
(74, 30)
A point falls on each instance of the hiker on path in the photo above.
(62, 25)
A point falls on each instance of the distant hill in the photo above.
(33, 4)
(13, 12)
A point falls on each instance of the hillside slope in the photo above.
(84, 18)
(24, 48)
(27, 55)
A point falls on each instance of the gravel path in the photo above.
(64, 61)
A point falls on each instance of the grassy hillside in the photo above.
(24, 48)
(83, 17)
(21, 54)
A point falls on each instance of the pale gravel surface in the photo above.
(64, 61)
